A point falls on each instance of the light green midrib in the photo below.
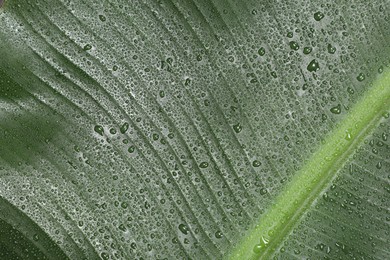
(317, 173)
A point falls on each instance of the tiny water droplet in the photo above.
(348, 136)
(331, 49)
(318, 16)
(99, 129)
(361, 77)
(307, 50)
(131, 149)
(237, 128)
(261, 51)
(204, 165)
(336, 109)
(257, 249)
(87, 47)
(256, 163)
(102, 18)
(218, 234)
(35, 236)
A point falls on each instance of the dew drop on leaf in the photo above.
(336, 109)
(313, 66)
(257, 249)
(361, 77)
(183, 229)
(203, 165)
(87, 47)
(261, 51)
(102, 18)
(99, 129)
(35, 237)
(124, 128)
(331, 49)
(307, 50)
(218, 234)
(131, 149)
(105, 256)
(294, 45)
(237, 128)
(318, 16)
(263, 191)
(256, 163)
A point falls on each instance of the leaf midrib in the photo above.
(316, 174)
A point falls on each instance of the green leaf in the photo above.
(194, 129)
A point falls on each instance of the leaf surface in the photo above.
(195, 129)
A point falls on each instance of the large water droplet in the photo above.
(124, 128)
(183, 228)
(313, 66)
(294, 46)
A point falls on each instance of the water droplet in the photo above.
(99, 129)
(124, 205)
(102, 18)
(261, 51)
(131, 149)
(294, 46)
(313, 66)
(318, 16)
(361, 77)
(290, 34)
(87, 47)
(331, 49)
(256, 163)
(237, 128)
(336, 109)
(204, 165)
(218, 234)
(263, 191)
(183, 228)
(348, 136)
(257, 249)
(112, 131)
(35, 237)
(307, 50)
(124, 128)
